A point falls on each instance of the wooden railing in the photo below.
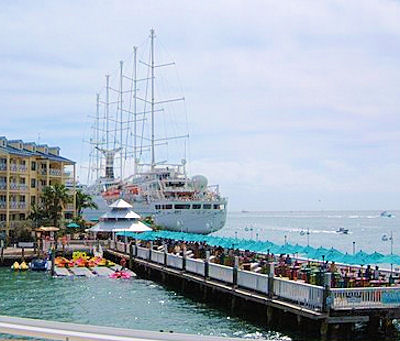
(306, 295)
(174, 261)
(253, 281)
(196, 266)
(365, 298)
(221, 272)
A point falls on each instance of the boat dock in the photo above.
(330, 312)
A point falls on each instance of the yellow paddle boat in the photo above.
(15, 266)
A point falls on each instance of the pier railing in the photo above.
(365, 298)
(221, 273)
(305, 295)
(196, 266)
(253, 281)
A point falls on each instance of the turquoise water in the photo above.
(136, 304)
(366, 229)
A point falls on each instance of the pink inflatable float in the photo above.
(120, 274)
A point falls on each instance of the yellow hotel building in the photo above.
(25, 169)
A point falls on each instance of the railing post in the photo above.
(165, 254)
(184, 259)
(327, 290)
(125, 245)
(271, 275)
(130, 255)
(207, 264)
(136, 248)
(150, 250)
(235, 272)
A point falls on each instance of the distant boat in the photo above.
(342, 230)
(244, 211)
(386, 214)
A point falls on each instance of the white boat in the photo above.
(156, 189)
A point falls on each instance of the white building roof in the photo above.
(120, 218)
(120, 214)
(120, 203)
(119, 226)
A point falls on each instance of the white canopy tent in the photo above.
(121, 218)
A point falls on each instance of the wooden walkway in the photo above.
(281, 298)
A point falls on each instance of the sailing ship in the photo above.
(157, 189)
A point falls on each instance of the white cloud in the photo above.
(297, 97)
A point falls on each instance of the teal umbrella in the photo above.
(333, 255)
(73, 225)
(375, 257)
(390, 259)
(348, 259)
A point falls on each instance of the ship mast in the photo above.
(121, 63)
(152, 99)
(107, 110)
(97, 135)
(135, 161)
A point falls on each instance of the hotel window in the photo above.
(22, 216)
(196, 206)
(33, 200)
(168, 207)
(33, 165)
(33, 183)
(22, 198)
(207, 206)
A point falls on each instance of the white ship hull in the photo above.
(191, 220)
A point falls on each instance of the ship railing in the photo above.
(307, 295)
(174, 261)
(365, 298)
(196, 266)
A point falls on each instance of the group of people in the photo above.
(285, 266)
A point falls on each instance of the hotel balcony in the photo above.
(3, 223)
(3, 205)
(18, 187)
(3, 167)
(15, 168)
(55, 172)
(3, 185)
(15, 205)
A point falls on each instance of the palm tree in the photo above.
(38, 215)
(82, 201)
(55, 199)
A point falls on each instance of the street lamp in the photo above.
(302, 233)
(385, 238)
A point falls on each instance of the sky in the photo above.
(292, 105)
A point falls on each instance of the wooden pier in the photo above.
(330, 312)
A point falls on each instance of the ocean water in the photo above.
(366, 229)
(142, 304)
(135, 304)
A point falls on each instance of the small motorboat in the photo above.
(38, 265)
(342, 230)
(386, 214)
(120, 274)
